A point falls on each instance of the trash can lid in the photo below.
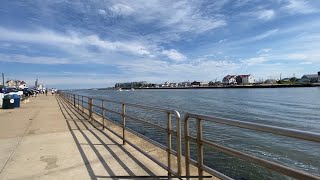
(15, 96)
(7, 96)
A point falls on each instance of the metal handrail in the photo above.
(78, 100)
(314, 137)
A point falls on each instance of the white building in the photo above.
(204, 83)
(229, 79)
(245, 79)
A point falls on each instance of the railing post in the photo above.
(78, 104)
(123, 124)
(90, 108)
(102, 107)
(179, 150)
(187, 143)
(169, 142)
(82, 104)
(200, 147)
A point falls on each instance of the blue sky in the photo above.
(83, 44)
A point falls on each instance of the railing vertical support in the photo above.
(74, 100)
(78, 104)
(90, 108)
(102, 107)
(200, 147)
(179, 150)
(123, 124)
(169, 142)
(82, 103)
(187, 143)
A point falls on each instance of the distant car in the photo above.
(12, 90)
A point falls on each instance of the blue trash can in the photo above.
(16, 98)
(8, 102)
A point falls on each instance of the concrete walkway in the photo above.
(48, 139)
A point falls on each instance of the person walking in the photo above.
(52, 91)
(46, 91)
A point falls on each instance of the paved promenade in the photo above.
(48, 139)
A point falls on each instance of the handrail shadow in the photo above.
(72, 114)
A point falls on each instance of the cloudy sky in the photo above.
(96, 43)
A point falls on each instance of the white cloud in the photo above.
(175, 16)
(305, 63)
(263, 51)
(265, 14)
(122, 9)
(297, 56)
(299, 6)
(264, 35)
(51, 38)
(255, 38)
(34, 59)
(174, 55)
(254, 60)
(307, 56)
(102, 12)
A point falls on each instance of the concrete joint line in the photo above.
(15, 147)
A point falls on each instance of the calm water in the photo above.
(297, 108)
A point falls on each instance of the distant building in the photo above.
(129, 85)
(22, 85)
(311, 78)
(16, 83)
(11, 83)
(229, 79)
(204, 83)
(195, 84)
(245, 79)
(270, 81)
(166, 84)
(184, 84)
(172, 85)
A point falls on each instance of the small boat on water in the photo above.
(119, 89)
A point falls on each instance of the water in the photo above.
(296, 108)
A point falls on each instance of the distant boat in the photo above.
(119, 89)
(132, 89)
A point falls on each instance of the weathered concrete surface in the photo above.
(44, 139)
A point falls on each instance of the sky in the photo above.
(97, 43)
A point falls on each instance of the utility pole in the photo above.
(2, 79)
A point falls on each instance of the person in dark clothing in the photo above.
(46, 91)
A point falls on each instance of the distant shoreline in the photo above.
(226, 87)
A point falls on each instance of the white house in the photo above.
(229, 79)
(22, 85)
(245, 79)
(204, 83)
